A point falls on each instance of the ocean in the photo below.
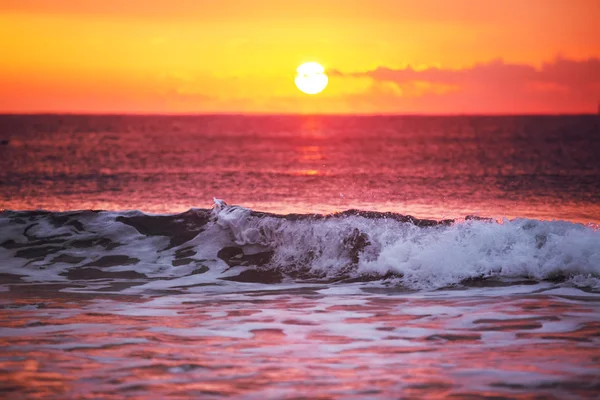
(272, 257)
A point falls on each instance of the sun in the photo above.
(311, 78)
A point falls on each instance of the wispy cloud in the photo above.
(562, 85)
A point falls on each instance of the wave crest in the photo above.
(422, 255)
(236, 243)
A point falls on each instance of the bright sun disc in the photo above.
(311, 78)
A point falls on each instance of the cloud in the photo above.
(562, 85)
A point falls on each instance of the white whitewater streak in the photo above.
(513, 249)
(189, 248)
(425, 257)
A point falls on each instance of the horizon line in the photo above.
(274, 114)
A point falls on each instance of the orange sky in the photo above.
(228, 56)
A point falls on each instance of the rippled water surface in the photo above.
(522, 166)
(317, 342)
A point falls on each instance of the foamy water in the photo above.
(238, 303)
(236, 244)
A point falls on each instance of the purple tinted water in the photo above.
(529, 166)
(115, 305)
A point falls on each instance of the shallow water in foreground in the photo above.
(231, 302)
(360, 340)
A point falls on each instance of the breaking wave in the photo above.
(232, 243)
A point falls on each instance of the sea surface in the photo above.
(273, 257)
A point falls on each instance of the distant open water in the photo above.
(429, 167)
(311, 298)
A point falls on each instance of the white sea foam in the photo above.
(347, 247)
(425, 257)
